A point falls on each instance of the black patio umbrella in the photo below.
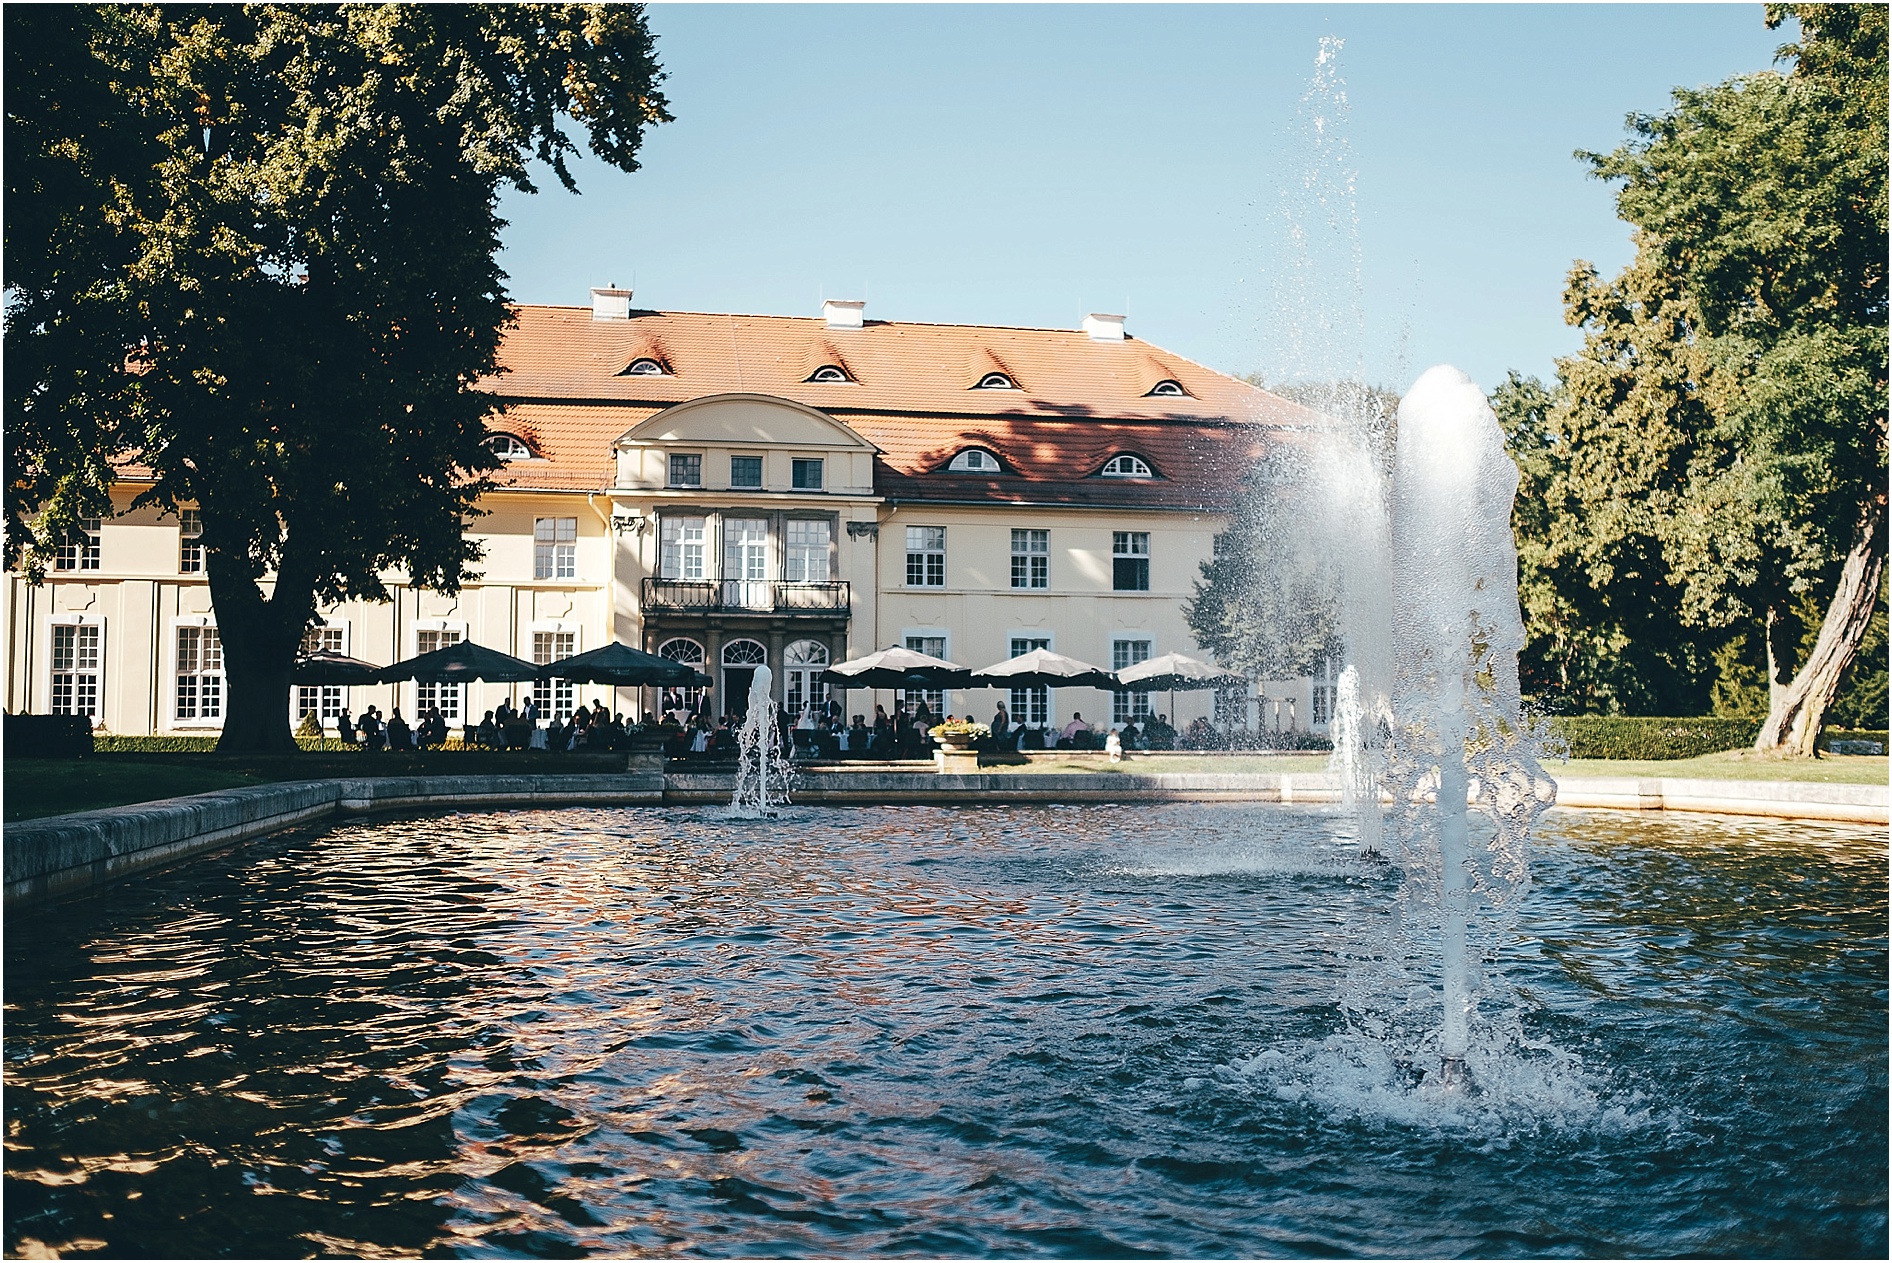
(897, 668)
(459, 663)
(1041, 668)
(618, 664)
(322, 667)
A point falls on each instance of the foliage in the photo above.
(1266, 604)
(1699, 474)
(250, 256)
(1623, 737)
(110, 744)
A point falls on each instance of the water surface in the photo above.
(1067, 1031)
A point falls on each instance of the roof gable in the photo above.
(745, 420)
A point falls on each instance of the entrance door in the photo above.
(736, 681)
(740, 659)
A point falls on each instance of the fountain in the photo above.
(761, 771)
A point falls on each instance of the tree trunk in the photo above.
(260, 638)
(1799, 710)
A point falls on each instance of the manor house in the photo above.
(730, 491)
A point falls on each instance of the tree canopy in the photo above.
(1715, 458)
(250, 256)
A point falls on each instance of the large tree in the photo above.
(250, 257)
(1716, 455)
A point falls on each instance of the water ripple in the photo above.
(1010, 1031)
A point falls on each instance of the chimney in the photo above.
(610, 303)
(843, 313)
(1103, 327)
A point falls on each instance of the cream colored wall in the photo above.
(979, 611)
(139, 594)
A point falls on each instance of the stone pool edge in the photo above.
(59, 855)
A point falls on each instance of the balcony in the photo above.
(737, 596)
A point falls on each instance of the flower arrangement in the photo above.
(959, 730)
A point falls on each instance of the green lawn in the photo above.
(52, 787)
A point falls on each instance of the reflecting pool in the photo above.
(1064, 1031)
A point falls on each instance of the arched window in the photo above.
(1127, 466)
(828, 373)
(681, 649)
(1168, 389)
(744, 653)
(975, 460)
(805, 653)
(802, 665)
(647, 367)
(510, 447)
(995, 381)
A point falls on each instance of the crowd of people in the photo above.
(505, 727)
(820, 731)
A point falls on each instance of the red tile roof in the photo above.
(913, 393)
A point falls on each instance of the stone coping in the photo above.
(49, 857)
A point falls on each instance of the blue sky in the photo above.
(1025, 164)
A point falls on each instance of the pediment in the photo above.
(745, 420)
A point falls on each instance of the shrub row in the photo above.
(1647, 737)
(106, 743)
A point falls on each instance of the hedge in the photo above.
(1644, 737)
(184, 745)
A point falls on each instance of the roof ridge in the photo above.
(765, 315)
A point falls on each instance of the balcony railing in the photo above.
(760, 596)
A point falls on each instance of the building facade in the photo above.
(733, 491)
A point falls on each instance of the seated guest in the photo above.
(400, 736)
(1071, 731)
(487, 735)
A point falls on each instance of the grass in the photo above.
(52, 787)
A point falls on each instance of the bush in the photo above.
(49, 736)
(1646, 737)
(1854, 734)
(197, 745)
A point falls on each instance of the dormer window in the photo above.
(510, 447)
(974, 460)
(996, 381)
(1127, 466)
(1168, 389)
(829, 373)
(647, 367)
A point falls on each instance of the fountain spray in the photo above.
(1456, 711)
(761, 772)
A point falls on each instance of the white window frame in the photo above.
(198, 721)
(557, 698)
(1127, 465)
(1018, 701)
(673, 555)
(84, 548)
(329, 699)
(1126, 705)
(70, 619)
(939, 700)
(801, 681)
(761, 476)
(190, 541)
(813, 569)
(975, 460)
(555, 559)
(925, 553)
(1036, 574)
(819, 466)
(1127, 551)
(670, 470)
(432, 693)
